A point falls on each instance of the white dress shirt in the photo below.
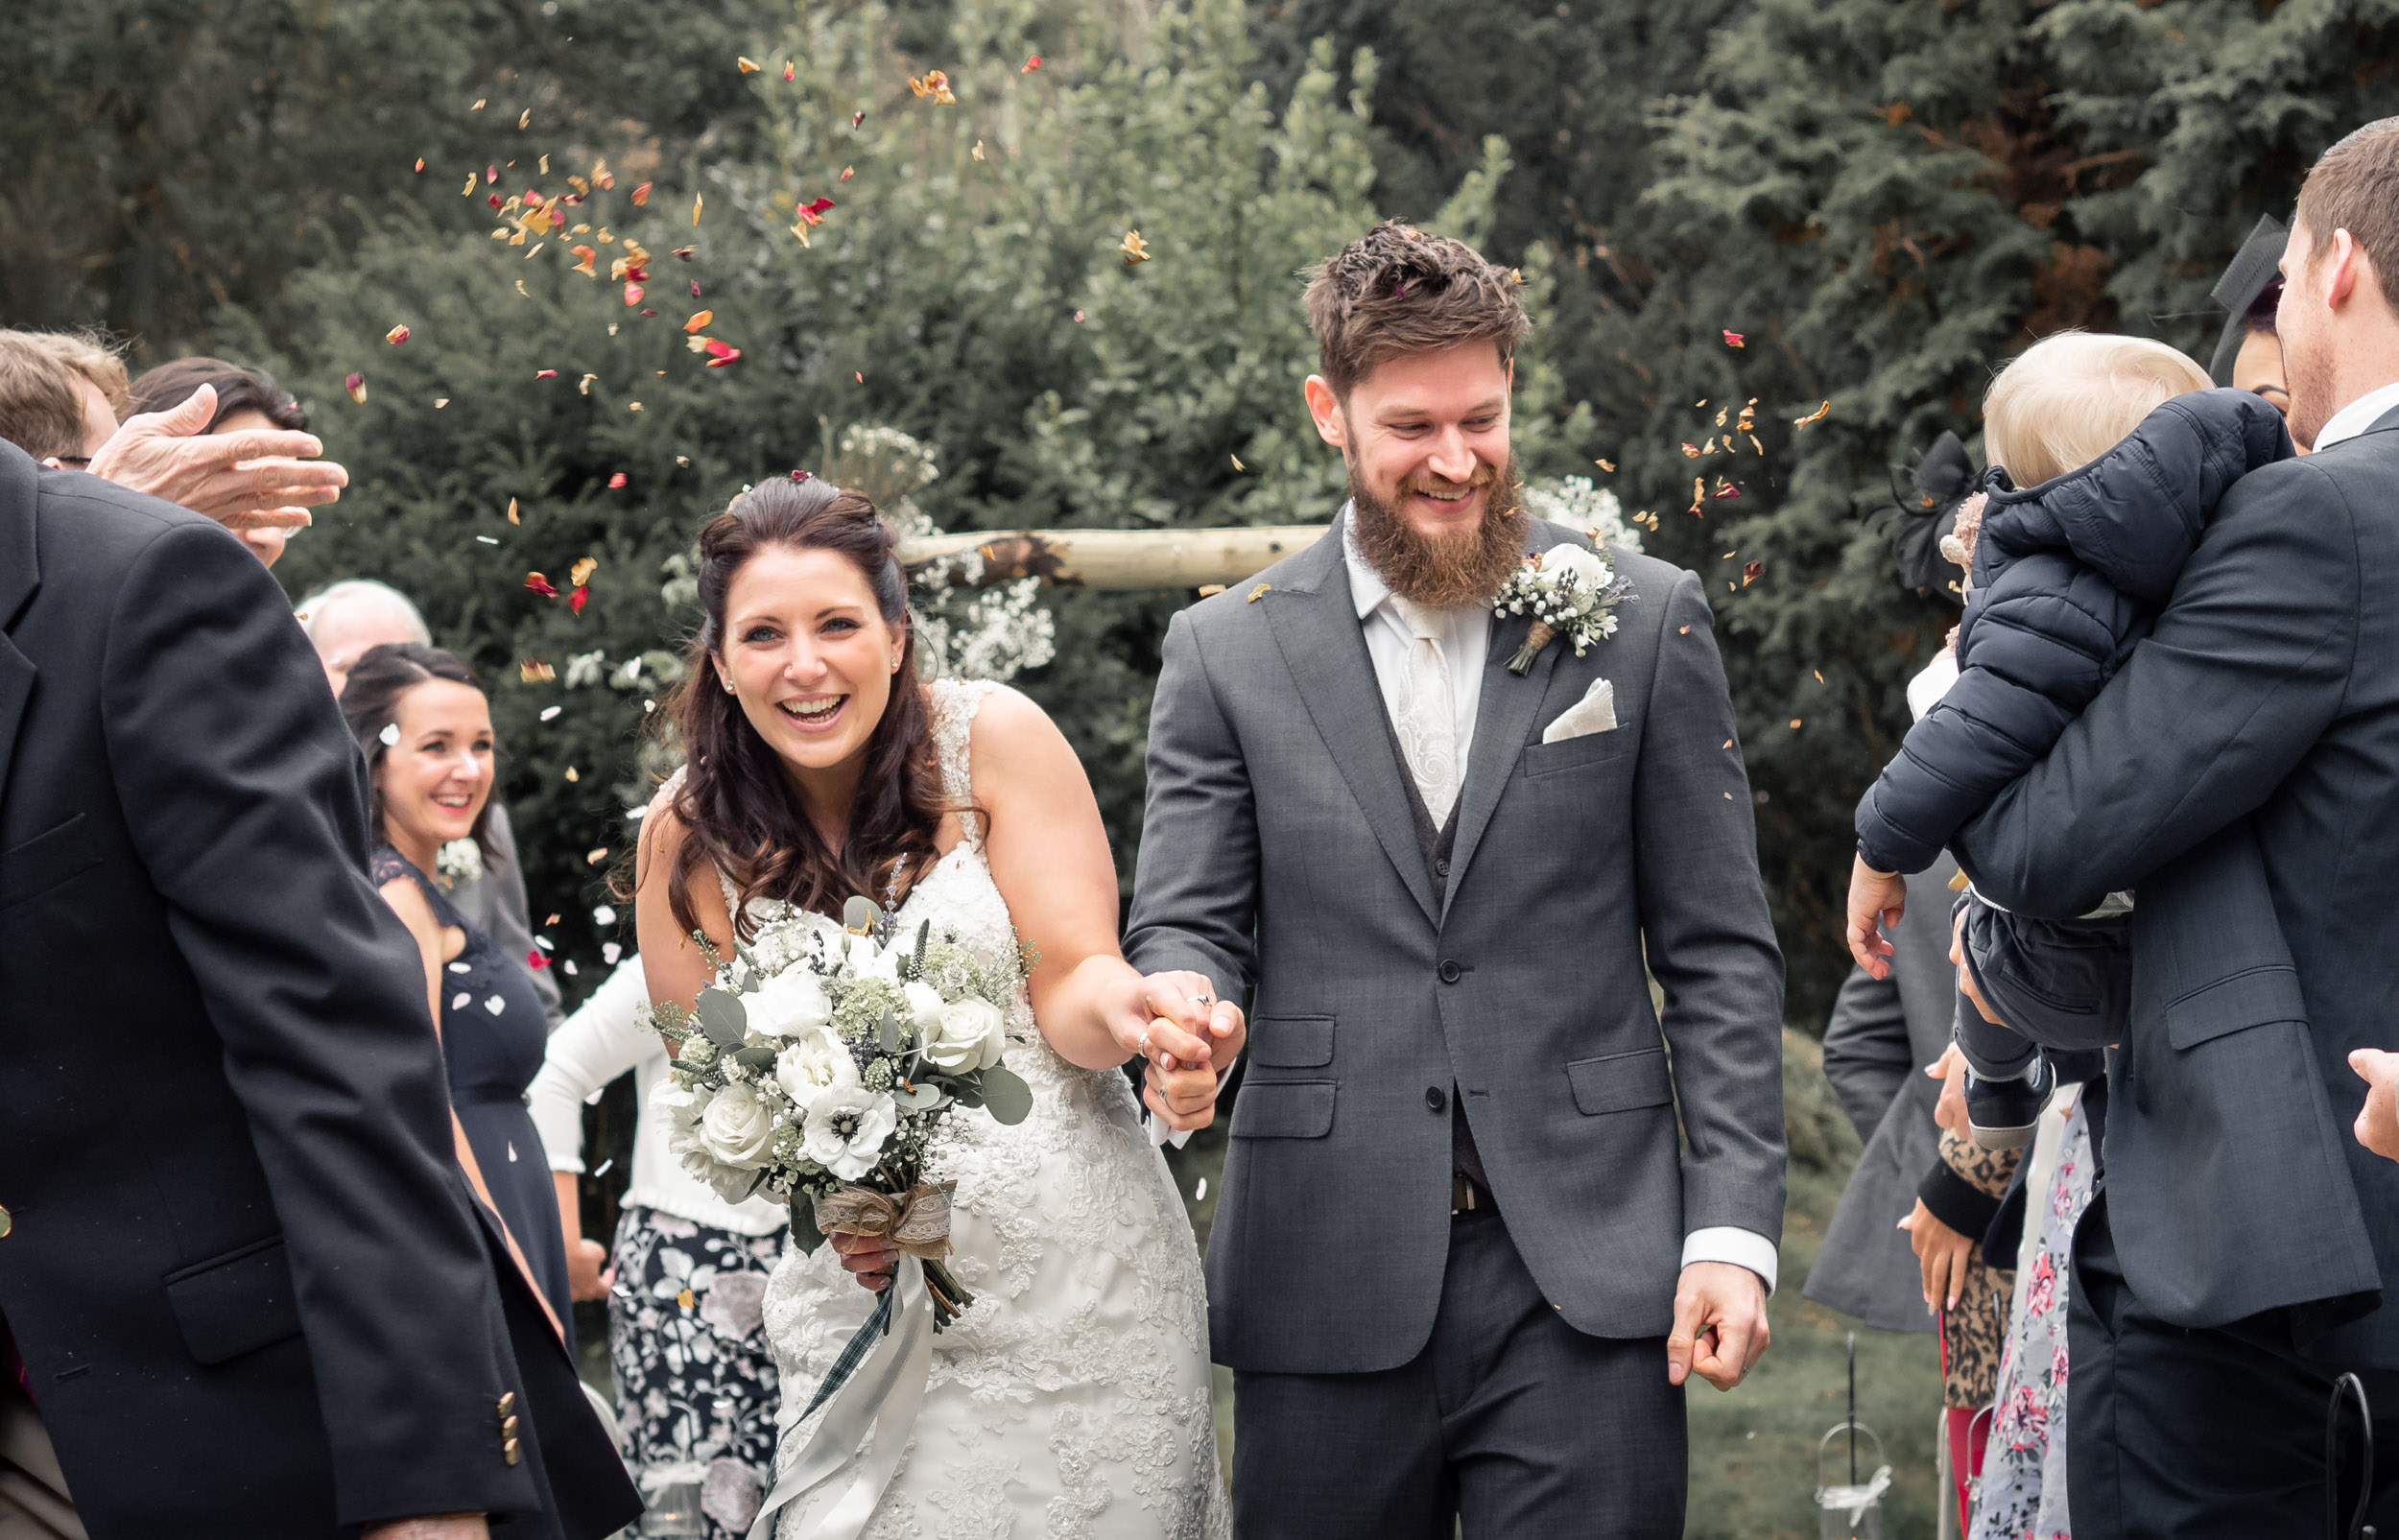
(1466, 645)
(607, 1036)
(2359, 415)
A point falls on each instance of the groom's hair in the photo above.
(2355, 187)
(1399, 290)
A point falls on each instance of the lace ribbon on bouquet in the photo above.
(878, 1384)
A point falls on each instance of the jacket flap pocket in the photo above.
(1620, 1082)
(1282, 1109)
(45, 860)
(235, 1303)
(2250, 998)
(1292, 1042)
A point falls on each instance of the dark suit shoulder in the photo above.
(89, 528)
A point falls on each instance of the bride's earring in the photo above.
(727, 683)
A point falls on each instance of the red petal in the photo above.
(495, 200)
(537, 958)
(632, 294)
(857, 118)
(641, 194)
(356, 385)
(536, 582)
(1032, 61)
(787, 72)
(545, 374)
(575, 599)
(720, 350)
(616, 481)
(726, 357)
(1734, 340)
(490, 173)
(818, 208)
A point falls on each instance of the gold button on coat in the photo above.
(5, 1225)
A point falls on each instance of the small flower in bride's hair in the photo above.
(846, 1129)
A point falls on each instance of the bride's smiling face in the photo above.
(438, 776)
(809, 654)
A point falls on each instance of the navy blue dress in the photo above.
(492, 1037)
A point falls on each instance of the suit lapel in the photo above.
(1315, 622)
(19, 577)
(1503, 719)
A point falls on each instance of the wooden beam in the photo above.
(1117, 558)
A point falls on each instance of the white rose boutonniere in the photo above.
(460, 861)
(1570, 591)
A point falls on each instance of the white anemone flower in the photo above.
(846, 1126)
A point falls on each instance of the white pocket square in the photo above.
(1595, 712)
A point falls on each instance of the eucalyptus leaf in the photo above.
(887, 1033)
(1006, 1092)
(724, 1017)
(804, 1231)
(760, 1058)
(925, 1095)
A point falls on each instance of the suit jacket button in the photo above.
(5, 1225)
(507, 1427)
(508, 1403)
(508, 1452)
(1434, 1098)
(1450, 970)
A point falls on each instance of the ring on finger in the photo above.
(1142, 1046)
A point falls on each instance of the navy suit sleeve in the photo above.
(245, 798)
(1866, 1057)
(1196, 889)
(1704, 922)
(2246, 667)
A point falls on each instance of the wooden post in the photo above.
(1118, 558)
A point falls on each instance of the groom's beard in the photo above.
(1443, 572)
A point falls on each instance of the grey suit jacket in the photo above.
(1278, 858)
(1882, 1033)
(2242, 773)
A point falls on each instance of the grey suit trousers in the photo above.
(1507, 1420)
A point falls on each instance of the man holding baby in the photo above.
(2171, 767)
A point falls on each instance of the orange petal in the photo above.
(699, 320)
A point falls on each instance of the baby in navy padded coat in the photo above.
(2123, 453)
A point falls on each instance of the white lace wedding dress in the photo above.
(1072, 1399)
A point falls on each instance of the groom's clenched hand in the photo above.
(1719, 1324)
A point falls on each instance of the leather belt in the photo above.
(1466, 1196)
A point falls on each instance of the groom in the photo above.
(1463, 1262)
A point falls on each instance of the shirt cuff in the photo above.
(1160, 1135)
(1728, 1243)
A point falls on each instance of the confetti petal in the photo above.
(545, 374)
(616, 481)
(697, 199)
(1734, 340)
(575, 602)
(641, 195)
(580, 573)
(745, 65)
(848, 171)
(550, 713)
(815, 211)
(684, 251)
(536, 582)
(1134, 248)
(512, 518)
(721, 360)
(420, 162)
(585, 259)
(1032, 61)
(533, 959)
(632, 294)
(593, 858)
(533, 671)
(699, 320)
(787, 72)
(978, 150)
(1818, 416)
(389, 737)
(356, 384)
(1607, 465)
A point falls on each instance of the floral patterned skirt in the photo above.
(696, 1388)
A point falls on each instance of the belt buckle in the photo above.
(1462, 1197)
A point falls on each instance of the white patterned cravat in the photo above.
(1428, 717)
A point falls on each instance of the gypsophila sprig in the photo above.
(1570, 591)
(457, 862)
(817, 1065)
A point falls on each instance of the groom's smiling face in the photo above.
(1425, 434)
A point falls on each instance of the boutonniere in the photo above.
(460, 861)
(1570, 591)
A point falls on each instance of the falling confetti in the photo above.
(1258, 593)
(745, 65)
(616, 481)
(641, 195)
(935, 85)
(440, 401)
(536, 582)
(525, 119)
(1794, 722)
(697, 199)
(535, 959)
(1752, 573)
(1607, 465)
(857, 118)
(582, 387)
(420, 162)
(356, 384)
(576, 602)
(580, 573)
(787, 73)
(479, 103)
(848, 171)
(471, 187)
(683, 252)
(545, 374)
(1818, 416)
(977, 152)
(512, 518)
(532, 671)
(1238, 465)
(593, 858)
(1032, 61)
(1134, 248)
(585, 260)
(719, 354)
(1691, 450)
(699, 320)
(1735, 340)
(632, 294)
(550, 713)
(1078, 316)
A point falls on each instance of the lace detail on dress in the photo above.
(1072, 1400)
(955, 703)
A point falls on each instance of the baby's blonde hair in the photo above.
(2070, 398)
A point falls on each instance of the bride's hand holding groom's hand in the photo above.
(1189, 1038)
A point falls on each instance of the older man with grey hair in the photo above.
(343, 622)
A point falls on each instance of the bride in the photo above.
(1072, 1397)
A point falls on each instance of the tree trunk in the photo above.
(1114, 559)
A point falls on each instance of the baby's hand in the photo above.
(1874, 896)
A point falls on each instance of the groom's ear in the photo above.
(1332, 426)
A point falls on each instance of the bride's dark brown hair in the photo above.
(738, 813)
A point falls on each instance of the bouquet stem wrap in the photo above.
(878, 1385)
(1538, 637)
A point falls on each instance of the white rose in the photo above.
(817, 1062)
(924, 1004)
(846, 1126)
(1581, 564)
(737, 1127)
(789, 1005)
(969, 1034)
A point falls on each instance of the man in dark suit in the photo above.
(243, 1274)
(2259, 722)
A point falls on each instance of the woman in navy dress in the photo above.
(425, 727)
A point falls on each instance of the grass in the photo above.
(1753, 1450)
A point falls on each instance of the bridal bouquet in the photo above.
(817, 1065)
(1570, 591)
